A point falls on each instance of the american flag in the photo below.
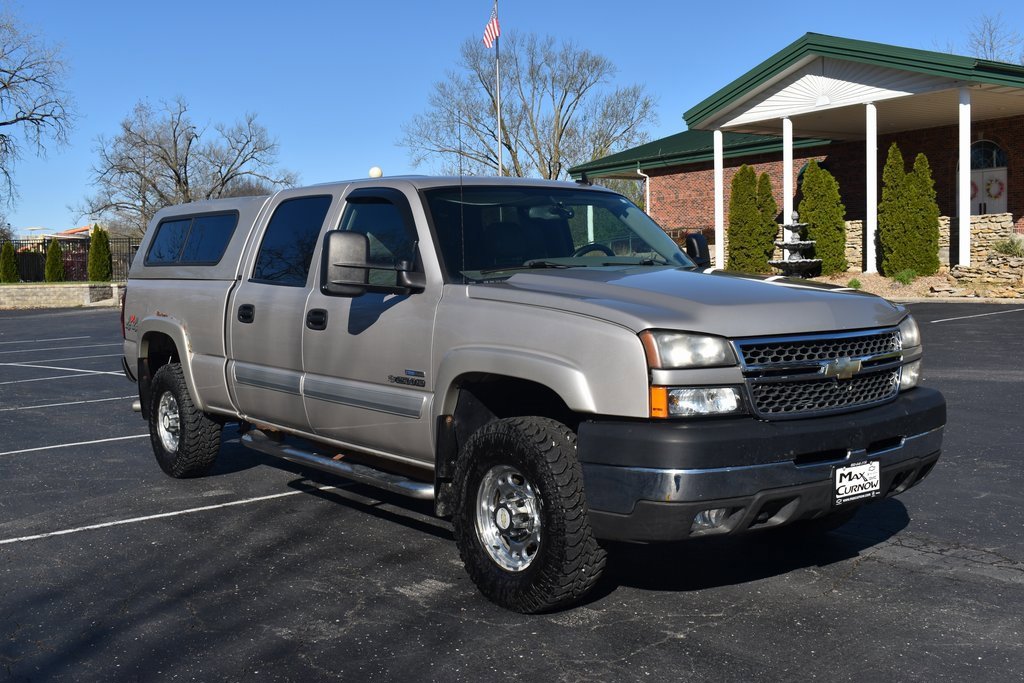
(492, 30)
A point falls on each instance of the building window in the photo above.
(987, 154)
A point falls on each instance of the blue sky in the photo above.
(335, 81)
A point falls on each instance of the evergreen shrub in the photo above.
(101, 266)
(54, 262)
(823, 210)
(8, 264)
(752, 226)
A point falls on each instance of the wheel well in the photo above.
(483, 398)
(157, 350)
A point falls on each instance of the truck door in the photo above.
(266, 314)
(367, 359)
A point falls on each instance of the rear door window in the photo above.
(289, 241)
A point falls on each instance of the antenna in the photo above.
(462, 204)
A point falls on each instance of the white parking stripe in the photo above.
(77, 443)
(57, 360)
(162, 515)
(62, 348)
(54, 367)
(44, 379)
(39, 341)
(979, 315)
(69, 403)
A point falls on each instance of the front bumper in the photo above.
(645, 481)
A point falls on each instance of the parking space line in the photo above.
(56, 360)
(43, 379)
(68, 403)
(54, 367)
(163, 515)
(77, 443)
(62, 348)
(39, 341)
(979, 315)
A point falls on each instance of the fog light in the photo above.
(910, 375)
(709, 519)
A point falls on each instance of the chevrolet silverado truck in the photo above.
(539, 359)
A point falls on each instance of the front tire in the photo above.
(521, 520)
(185, 439)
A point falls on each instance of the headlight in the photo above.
(909, 333)
(695, 401)
(675, 350)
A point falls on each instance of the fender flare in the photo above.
(559, 374)
(173, 329)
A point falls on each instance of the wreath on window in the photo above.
(994, 188)
(974, 189)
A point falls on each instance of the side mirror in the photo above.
(344, 270)
(697, 249)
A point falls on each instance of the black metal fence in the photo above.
(31, 256)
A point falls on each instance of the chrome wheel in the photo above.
(168, 422)
(508, 518)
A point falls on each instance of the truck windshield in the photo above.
(489, 233)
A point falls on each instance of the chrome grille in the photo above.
(813, 348)
(819, 396)
(791, 377)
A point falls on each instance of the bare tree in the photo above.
(6, 231)
(558, 109)
(990, 38)
(33, 107)
(160, 157)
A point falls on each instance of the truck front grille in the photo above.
(791, 377)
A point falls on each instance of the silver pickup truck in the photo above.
(537, 358)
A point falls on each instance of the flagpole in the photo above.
(497, 81)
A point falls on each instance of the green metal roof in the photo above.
(952, 66)
(688, 147)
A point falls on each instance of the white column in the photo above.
(871, 187)
(787, 177)
(719, 199)
(963, 181)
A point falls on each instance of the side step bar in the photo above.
(395, 483)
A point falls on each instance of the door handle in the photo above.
(316, 319)
(246, 313)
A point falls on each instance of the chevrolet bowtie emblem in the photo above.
(841, 368)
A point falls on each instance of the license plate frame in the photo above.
(859, 481)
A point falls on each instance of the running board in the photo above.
(395, 483)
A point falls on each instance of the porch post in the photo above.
(871, 187)
(787, 176)
(719, 199)
(963, 180)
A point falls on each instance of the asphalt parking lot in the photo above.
(264, 571)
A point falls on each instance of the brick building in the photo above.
(843, 102)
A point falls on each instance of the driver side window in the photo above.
(391, 238)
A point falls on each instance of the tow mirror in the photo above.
(697, 249)
(344, 271)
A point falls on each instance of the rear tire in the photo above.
(521, 517)
(185, 439)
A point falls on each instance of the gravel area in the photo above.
(920, 288)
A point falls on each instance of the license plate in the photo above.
(856, 482)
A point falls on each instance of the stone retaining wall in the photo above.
(59, 295)
(997, 276)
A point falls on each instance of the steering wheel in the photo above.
(593, 246)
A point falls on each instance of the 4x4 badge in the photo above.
(841, 368)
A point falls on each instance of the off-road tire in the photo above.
(198, 435)
(568, 560)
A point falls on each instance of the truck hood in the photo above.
(726, 304)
